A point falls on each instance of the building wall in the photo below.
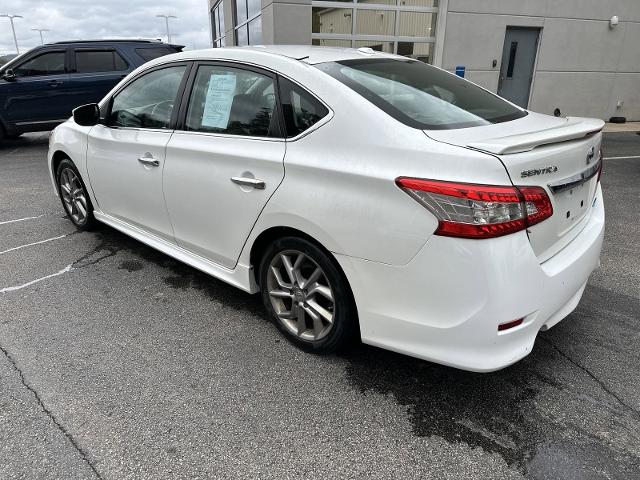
(283, 21)
(584, 67)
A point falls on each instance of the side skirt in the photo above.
(241, 277)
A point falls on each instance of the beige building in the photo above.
(571, 57)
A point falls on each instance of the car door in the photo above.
(37, 94)
(126, 154)
(93, 73)
(225, 161)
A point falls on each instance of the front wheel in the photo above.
(307, 295)
(74, 196)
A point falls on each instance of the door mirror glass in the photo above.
(9, 75)
(148, 101)
(87, 115)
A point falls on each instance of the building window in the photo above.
(217, 24)
(248, 24)
(405, 27)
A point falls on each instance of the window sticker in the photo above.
(217, 104)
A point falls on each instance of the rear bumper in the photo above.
(446, 303)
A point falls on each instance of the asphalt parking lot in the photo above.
(118, 362)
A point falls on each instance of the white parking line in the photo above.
(23, 219)
(66, 269)
(34, 243)
(621, 158)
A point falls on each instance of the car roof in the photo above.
(110, 40)
(307, 53)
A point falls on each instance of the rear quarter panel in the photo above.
(339, 184)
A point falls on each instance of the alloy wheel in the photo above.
(73, 196)
(301, 295)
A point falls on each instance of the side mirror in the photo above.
(9, 75)
(87, 115)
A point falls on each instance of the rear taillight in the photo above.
(479, 211)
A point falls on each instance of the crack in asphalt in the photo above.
(593, 377)
(50, 414)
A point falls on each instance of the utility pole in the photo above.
(166, 22)
(40, 30)
(13, 29)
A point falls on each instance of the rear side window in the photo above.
(231, 100)
(51, 63)
(148, 101)
(88, 61)
(420, 95)
(300, 109)
(154, 52)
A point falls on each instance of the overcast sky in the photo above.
(88, 19)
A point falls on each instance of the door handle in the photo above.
(249, 182)
(150, 161)
(55, 83)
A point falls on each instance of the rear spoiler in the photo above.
(177, 47)
(574, 128)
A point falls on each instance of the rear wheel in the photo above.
(307, 295)
(73, 195)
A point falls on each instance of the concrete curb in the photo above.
(622, 127)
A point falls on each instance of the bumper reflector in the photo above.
(511, 324)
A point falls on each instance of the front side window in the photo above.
(88, 61)
(300, 109)
(233, 101)
(51, 63)
(420, 95)
(148, 101)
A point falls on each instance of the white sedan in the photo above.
(362, 194)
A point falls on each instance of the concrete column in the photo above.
(286, 22)
(441, 25)
(230, 38)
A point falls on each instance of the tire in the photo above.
(327, 325)
(74, 197)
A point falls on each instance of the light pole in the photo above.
(40, 30)
(166, 21)
(13, 29)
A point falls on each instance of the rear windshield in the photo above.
(420, 95)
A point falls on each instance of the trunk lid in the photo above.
(560, 155)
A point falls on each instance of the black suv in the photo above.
(39, 89)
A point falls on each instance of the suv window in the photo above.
(51, 63)
(154, 52)
(148, 101)
(300, 109)
(420, 95)
(231, 100)
(88, 61)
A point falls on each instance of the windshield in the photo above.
(420, 95)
